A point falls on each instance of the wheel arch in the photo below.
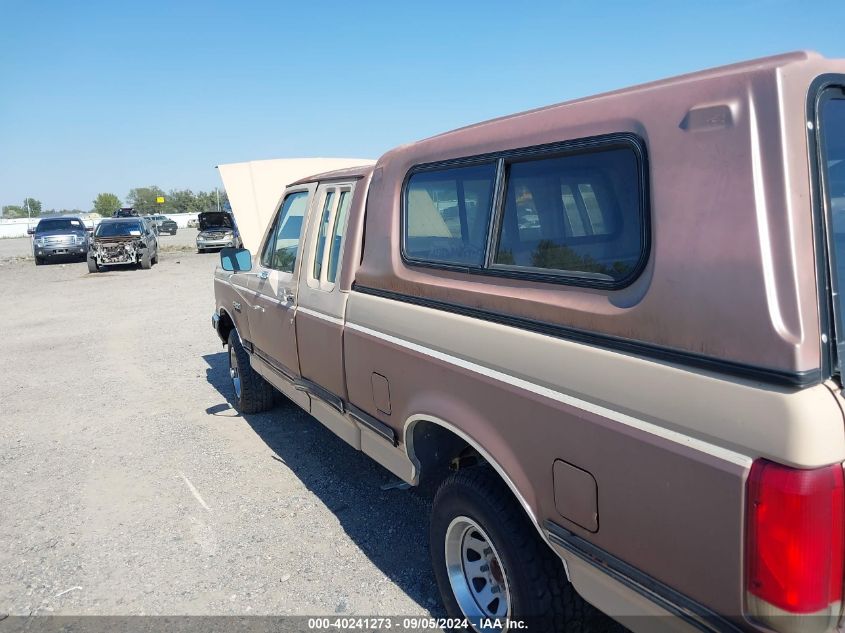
(225, 325)
(418, 446)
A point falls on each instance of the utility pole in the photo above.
(217, 191)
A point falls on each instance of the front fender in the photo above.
(235, 304)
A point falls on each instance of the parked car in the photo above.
(121, 241)
(63, 237)
(165, 225)
(619, 360)
(217, 229)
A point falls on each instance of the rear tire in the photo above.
(252, 393)
(514, 574)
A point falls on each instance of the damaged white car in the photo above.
(121, 241)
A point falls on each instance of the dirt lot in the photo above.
(128, 485)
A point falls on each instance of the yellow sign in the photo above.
(160, 200)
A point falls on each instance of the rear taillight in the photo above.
(796, 542)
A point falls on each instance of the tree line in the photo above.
(143, 199)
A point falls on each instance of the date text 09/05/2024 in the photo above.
(416, 624)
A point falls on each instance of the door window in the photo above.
(338, 233)
(282, 246)
(329, 237)
(328, 207)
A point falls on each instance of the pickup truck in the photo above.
(608, 332)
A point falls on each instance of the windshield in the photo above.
(832, 122)
(118, 229)
(60, 224)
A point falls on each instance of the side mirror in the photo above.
(235, 259)
(30, 231)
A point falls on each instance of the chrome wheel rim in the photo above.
(476, 573)
(234, 373)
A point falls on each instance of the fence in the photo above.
(16, 227)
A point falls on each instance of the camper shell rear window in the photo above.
(831, 117)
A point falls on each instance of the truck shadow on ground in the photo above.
(389, 526)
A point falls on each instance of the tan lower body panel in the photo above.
(280, 382)
(625, 605)
(361, 438)
(357, 435)
(394, 458)
(341, 425)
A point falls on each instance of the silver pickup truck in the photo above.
(609, 332)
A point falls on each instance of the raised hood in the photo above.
(214, 219)
(255, 188)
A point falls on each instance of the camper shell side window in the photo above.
(572, 213)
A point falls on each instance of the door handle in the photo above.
(258, 307)
(263, 274)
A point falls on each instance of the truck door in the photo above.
(322, 305)
(272, 321)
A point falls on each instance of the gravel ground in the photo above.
(22, 246)
(128, 484)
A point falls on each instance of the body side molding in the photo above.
(613, 343)
(685, 608)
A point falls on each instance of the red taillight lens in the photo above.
(796, 536)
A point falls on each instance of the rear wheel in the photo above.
(253, 394)
(490, 562)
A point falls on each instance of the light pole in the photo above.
(217, 191)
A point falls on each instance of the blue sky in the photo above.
(105, 96)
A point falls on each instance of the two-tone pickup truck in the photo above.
(611, 331)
